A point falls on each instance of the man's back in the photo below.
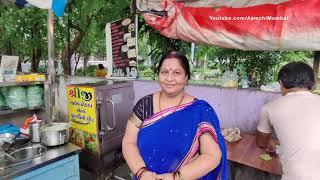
(295, 118)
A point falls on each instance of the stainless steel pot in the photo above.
(54, 134)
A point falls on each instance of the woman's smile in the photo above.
(170, 85)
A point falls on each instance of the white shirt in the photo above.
(295, 119)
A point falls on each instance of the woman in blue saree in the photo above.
(171, 134)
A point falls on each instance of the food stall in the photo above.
(98, 113)
(22, 158)
(32, 160)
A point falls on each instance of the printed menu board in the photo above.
(123, 46)
(82, 108)
(83, 117)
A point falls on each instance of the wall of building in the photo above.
(235, 107)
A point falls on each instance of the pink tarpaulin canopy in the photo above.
(239, 24)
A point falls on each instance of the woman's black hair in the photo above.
(296, 74)
(182, 59)
(100, 66)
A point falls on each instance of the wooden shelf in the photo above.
(10, 111)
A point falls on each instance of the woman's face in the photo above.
(172, 76)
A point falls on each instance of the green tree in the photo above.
(23, 33)
(87, 22)
(159, 44)
(259, 66)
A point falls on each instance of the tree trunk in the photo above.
(133, 7)
(69, 50)
(36, 56)
(36, 52)
(85, 62)
(74, 45)
(77, 60)
(8, 48)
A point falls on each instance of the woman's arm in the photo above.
(130, 149)
(209, 159)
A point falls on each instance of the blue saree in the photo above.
(170, 139)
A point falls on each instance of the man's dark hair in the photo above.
(296, 74)
(182, 59)
(100, 66)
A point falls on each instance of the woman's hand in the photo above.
(167, 176)
(148, 175)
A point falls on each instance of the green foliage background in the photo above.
(24, 33)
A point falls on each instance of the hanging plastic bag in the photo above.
(34, 96)
(2, 102)
(3, 99)
(4, 91)
(17, 97)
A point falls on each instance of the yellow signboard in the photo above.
(82, 108)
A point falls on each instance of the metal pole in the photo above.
(316, 62)
(68, 36)
(51, 69)
(192, 54)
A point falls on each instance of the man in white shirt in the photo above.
(295, 118)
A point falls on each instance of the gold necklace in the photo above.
(176, 107)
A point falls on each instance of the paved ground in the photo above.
(236, 172)
(120, 173)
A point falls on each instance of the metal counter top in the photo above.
(52, 155)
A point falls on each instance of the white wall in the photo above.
(235, 107)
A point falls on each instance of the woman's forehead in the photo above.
(171, 63)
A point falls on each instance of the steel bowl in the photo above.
(54, 134)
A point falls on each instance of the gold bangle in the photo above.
(141, 174)
(140, 171)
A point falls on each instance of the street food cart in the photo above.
(98, 113)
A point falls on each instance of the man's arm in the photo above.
(264, 129)
(263, 139)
